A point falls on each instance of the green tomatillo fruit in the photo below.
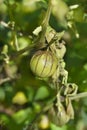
(43, 63)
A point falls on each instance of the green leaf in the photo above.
(54, 127)
(23, 115)
(42, 93)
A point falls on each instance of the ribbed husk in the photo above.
(43, 63)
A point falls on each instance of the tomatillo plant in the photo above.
(45, 58)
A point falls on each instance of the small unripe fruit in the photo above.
(44, 122)
(43, 64)
(19, 98)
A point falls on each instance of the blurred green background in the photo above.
(22, 95)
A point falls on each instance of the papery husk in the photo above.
(58, 115)
(61, 112)
(70, 110)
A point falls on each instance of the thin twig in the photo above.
(5, 80)
(80, 95)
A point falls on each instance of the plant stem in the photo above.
(80, 95)
(4, 80)
(45, 24)
(41, 39)
(14, 55)
(47, 16)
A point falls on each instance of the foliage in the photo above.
(25, 98)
